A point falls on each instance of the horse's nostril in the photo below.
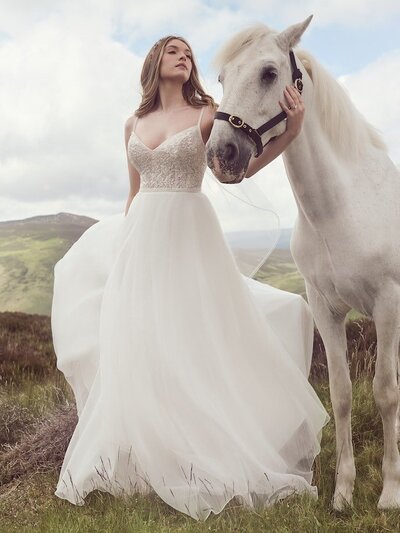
(230, 152)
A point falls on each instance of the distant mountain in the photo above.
(29, 249)
(284, 239)
(67, 223)
(251, 239)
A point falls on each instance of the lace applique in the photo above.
(177, 163)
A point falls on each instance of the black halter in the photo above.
(255, 134)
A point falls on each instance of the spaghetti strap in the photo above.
(201, 114)
(134, 124)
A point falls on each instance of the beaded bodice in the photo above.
(178, 163)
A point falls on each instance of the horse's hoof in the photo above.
(341, 501)
(389, 500)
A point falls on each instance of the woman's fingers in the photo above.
(294, 109)
(284, 106)
(293, 96)
(293, 99)
(289, 98)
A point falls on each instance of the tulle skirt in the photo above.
(190, 378)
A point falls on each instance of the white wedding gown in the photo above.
(190, 378)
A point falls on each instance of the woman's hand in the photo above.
(295, 113)
(294, 108)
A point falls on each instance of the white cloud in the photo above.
(64, 98)
(375, 92)
(68, 82)
(67, 88)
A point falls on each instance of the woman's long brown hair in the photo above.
(192, 90)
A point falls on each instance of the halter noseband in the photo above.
(255, 134)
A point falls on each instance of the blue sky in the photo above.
(69, 79)
(345, 50)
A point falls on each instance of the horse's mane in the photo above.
(238, 42)
(347, 130)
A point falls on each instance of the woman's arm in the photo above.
(134, 176)
(295, 114)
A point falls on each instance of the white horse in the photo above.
(346, 240)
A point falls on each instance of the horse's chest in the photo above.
(341, 277)
(312, 259)
(357, 291)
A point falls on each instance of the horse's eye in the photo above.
(268, 75)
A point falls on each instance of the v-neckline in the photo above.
(165, 140)
(168, 138)
(171, 136)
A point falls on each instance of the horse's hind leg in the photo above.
(387, 318)
(333, 332)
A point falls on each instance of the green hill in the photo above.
(281, 272)
(29, 249)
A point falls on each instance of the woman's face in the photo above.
(176, 53)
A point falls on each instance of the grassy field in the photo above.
(29, 249)
(37, 416)
(27, 284)
(28, 504)
(281, 272)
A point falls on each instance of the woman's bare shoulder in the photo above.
(211, 108)
(209, 112)
(208, 121)
(130, 121)
(128, 127)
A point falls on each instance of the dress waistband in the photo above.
(170, 189)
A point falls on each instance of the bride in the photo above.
(190, 378)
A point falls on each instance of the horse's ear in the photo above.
(288, 38)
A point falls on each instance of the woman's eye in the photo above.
(173, 52)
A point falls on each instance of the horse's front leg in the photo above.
(387, 319)
(398, 389)
(333, 333)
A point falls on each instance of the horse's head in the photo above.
(254, 69)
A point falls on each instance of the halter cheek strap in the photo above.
(255, 134)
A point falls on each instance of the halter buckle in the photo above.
(231, 117)
(298, 83)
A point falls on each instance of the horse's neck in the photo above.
(314, 173)
(339, 196)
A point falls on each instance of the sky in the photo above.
(69, 79)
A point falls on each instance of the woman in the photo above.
(183, 385)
